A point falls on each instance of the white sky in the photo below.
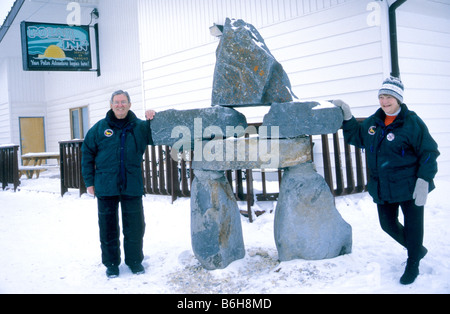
(5, 7)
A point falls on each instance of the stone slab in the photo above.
(304, 118)
(251, 153)
(171, 126)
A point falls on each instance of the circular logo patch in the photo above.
(109, 133)
(372, 130)
(390, 137)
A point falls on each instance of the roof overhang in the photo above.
(10, 18)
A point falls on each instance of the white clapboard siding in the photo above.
(120, 69)
(327, 48)
(5, 120)
(424, 51)
(169, 26)
(317, 45)
(327, 52)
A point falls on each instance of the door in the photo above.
(32, 138)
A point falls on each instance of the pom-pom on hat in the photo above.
(394, 87)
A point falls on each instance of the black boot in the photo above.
(137, 269)
(411, 272)
(412, 268)
(112, 271)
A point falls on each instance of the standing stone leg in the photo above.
(307, 224)
(216, 229)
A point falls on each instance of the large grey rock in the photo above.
(251, 153)
(304, 118)
(246, 72)
(307, 224)
(187, 125)
(216, 231)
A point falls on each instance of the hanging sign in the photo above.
(56, 47)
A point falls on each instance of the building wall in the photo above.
(170, 26)
(26, 95)
(424, 50)
(178, 61)
(330, 50)
(120, 69)
(52, 94)
(165, 58)
(5, 120)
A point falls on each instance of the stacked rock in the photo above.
(307, 224)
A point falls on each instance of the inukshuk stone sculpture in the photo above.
(307, 224)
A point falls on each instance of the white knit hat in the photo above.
(392, 86)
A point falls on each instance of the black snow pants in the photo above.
(133, 229)
(410, 234)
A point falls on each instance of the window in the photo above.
(79, 122)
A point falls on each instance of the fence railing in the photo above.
(70, 166)
(345, 173)
(355, 161)
(9, 166)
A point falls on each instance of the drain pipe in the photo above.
(393, 38)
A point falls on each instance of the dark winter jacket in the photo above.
(112, 155)
(397, 154)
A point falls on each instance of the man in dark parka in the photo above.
(401, 157)
(111, 166)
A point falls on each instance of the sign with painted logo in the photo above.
(55, 47)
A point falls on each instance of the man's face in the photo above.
(120, 106)
(389, 104)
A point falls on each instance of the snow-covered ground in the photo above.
(49, 244)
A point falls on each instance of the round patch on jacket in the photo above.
(372, 130)
(109, 133)
(390, 137)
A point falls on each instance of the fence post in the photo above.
(70, 166)
(9, 166)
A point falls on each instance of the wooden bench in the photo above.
(29, 171)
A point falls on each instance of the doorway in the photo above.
(32, 136)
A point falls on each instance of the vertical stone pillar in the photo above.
(307, 225)
(216, 230)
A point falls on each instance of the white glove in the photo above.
(345, 108)
(421, 192)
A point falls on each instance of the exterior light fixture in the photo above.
(94, 14)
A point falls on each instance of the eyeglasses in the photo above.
(123, 102)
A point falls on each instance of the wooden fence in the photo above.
(70, 166)
(354, 160)
(344, 173)
(343, 168)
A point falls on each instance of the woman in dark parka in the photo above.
(401, 156)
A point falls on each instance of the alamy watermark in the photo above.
(257, 147)
(74, 17)
(374, 17)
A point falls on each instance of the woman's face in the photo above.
(389, 104)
